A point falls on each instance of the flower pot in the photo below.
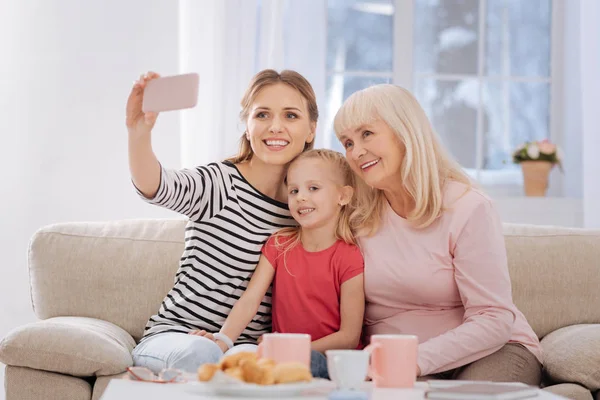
(535, 175)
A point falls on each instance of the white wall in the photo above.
(556, 211)
(66, 70)
(571, 132)
(590, 89)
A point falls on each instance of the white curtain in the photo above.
(227, 42)
(590, 100)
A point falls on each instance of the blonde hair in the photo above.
(287, 238)
(266, 78)
(426, 165)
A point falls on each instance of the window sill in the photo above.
(556, 211)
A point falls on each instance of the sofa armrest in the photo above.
(75, 346)
(572, 355)
(91, 269)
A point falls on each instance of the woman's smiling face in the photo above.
(375, 153)
(279, 126)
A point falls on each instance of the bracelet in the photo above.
(223, 338)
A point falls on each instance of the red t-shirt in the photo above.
(306, 295)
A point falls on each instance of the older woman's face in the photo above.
(375, 154)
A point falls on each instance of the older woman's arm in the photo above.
(481, 274)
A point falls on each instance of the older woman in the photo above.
(435, 259)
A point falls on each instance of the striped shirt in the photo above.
(229, 221)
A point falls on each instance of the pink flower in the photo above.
(546, 147)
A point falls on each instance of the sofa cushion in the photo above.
(571, 391)
(69, 345)
(572, 354)
(25, 383)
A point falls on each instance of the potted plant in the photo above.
(537, 159)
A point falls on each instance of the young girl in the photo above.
(316, 268)
(233, 207)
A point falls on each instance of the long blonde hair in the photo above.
(426, 166)
(266, 78)
(287, 238)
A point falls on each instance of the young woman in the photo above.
(435, 260)
(233, 207)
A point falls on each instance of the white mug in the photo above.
(348, 368)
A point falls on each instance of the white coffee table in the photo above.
(121, 389)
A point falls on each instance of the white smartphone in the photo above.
(169, 93)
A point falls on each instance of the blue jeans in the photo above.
(188, 352)
(318, 365)
(175, 350)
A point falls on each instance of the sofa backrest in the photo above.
(555, 274)
(120, 271)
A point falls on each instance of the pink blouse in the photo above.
(448, 283)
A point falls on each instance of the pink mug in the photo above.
(285, 347)
(393, 360)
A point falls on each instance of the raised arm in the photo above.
(481, 275)
(196, 193)
(143, 164)
(246, 307)
(352, 310)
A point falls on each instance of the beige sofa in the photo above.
(94, 285)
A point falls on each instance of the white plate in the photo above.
(261, 391)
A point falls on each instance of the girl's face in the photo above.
(316, 193)
(375, 154)
(278, 125)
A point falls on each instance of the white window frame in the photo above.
(500, 182)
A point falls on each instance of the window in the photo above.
(360, 52)
(481, 69)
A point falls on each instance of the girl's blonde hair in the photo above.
(287, 238)
(426, 165)
(266, 78)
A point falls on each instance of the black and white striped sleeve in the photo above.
(198, 193)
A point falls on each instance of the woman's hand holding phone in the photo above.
(140, 123)
(143, 165)
(150, 95)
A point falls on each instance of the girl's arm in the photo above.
(246, 307)
(352, 310)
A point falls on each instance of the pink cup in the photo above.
(393, 360)
(285, 347)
